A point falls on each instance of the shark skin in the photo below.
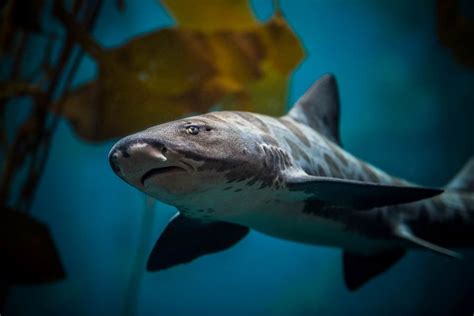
(288, 177)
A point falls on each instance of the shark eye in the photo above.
(192, 130)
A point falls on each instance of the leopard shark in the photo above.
(288, 177)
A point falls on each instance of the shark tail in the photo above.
(464, 179)
(358, 269)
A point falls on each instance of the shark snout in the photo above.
(137, 160)
(131, 157)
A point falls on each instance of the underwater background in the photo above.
(407, 107)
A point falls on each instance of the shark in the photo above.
(289, 177)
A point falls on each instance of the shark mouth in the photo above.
(157, 171)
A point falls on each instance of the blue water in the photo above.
(407, 107)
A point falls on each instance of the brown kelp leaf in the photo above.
(151, 79)
(212, 15)
(27, 251)
(185, 70)
(24, 15)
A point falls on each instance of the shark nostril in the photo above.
(113, 160)
(164, 150)
(125, 153)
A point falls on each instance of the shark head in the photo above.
(187, 156)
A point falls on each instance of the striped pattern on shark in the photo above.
(290, 178)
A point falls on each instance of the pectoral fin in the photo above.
(185, 239)
(358, 269)
(357, 194)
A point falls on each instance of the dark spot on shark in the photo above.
(352, 220)
(372, 176)
(252, 181)
(296, 131)
(360, 176)
(333, 166)
(278, 158)
(287, 159)
(254, 120)
(339, 155)
(283, 160)
(227, 188)
(296, 151)
(214, 117)
(321, 171)
(275, 158)
(238, 190)
(269, 140)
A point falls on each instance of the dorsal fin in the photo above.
(464, 179)
(319, 108)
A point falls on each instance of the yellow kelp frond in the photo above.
(212, 15)
(235, 64)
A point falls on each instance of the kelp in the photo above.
(27, 250)
(141, 256)
(29, 255)
(218, 56)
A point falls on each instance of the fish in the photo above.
(288, 177)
